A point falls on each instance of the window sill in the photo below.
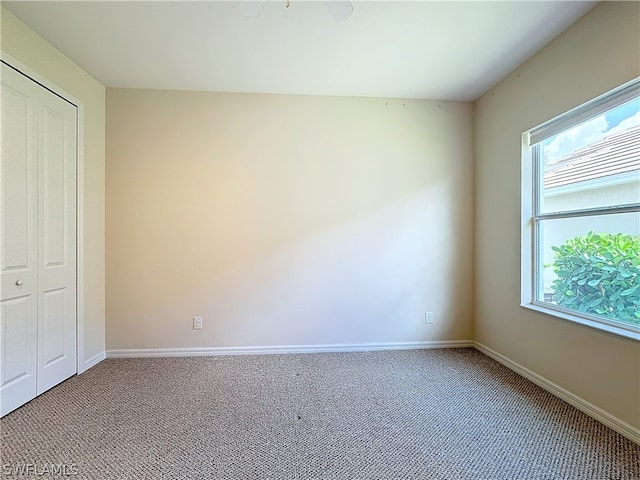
(603, 327)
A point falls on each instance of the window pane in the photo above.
(593, 164)
(592, 265)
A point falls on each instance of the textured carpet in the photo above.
(422, 414)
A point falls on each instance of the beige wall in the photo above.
(286, 220)
(36, 53)
(600, 52)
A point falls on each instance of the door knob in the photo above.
(19, 283)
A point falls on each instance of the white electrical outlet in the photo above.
(197, 323)
(428, 318)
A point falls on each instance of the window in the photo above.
(581, 214)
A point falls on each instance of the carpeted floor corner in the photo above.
(451, 414)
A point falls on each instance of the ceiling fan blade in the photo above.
(340, 10)
(253, 9)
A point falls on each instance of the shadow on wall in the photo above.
(369, 279)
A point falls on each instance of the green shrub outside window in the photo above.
(599, 274)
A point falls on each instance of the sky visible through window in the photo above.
(614, 121)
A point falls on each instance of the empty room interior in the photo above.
(320, 240)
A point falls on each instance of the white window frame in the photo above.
(531, 216)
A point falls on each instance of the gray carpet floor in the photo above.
(421, 414)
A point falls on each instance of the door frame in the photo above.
(36, 77)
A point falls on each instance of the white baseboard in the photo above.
(280, 349)
(611, 421)
(93, 361)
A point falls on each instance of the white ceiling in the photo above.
(418, 49)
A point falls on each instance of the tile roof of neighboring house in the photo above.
(618, 153)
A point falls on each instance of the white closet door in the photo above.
(38, 264)
(19, 208)
(56, 240)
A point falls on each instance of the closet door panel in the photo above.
(57, 241)
(18, 239)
